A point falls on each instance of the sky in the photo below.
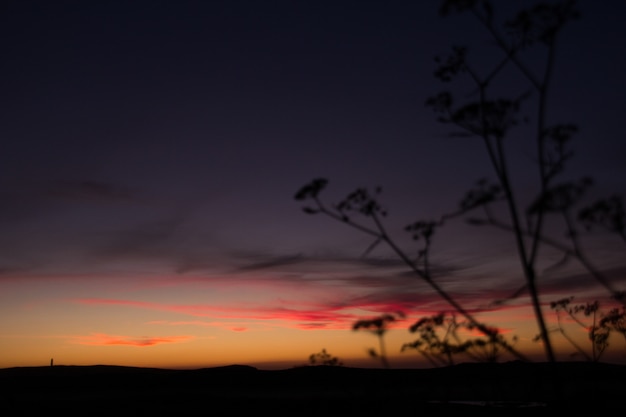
(151, 151)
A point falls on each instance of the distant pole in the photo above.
(51, 362)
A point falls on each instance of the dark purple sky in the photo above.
(169, 137)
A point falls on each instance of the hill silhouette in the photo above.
(521, 388)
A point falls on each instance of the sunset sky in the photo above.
(151, 151)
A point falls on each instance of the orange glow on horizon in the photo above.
(137, 328)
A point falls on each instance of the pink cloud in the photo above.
(312, 315)
(319, 314)
(101, 339)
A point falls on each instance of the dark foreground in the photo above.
(509, 389)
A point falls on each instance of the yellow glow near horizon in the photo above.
(63, 321)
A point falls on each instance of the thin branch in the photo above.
(603, 280)
(508, 50)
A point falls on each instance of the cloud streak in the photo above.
(306, 315)
(327, 316)
(102, 339)
(235, 327)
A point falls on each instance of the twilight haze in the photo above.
(151, 151)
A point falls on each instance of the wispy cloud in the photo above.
(257, 261)
(271, 262)
(101, 339)
(307, 315)
(235, 327)
(328, 316)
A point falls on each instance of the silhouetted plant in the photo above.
(324, 358)
(598, 330)
(607, 213)
(439, 341)
(378, 326)
(363, 204)
(491, 119)
(615, 320)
